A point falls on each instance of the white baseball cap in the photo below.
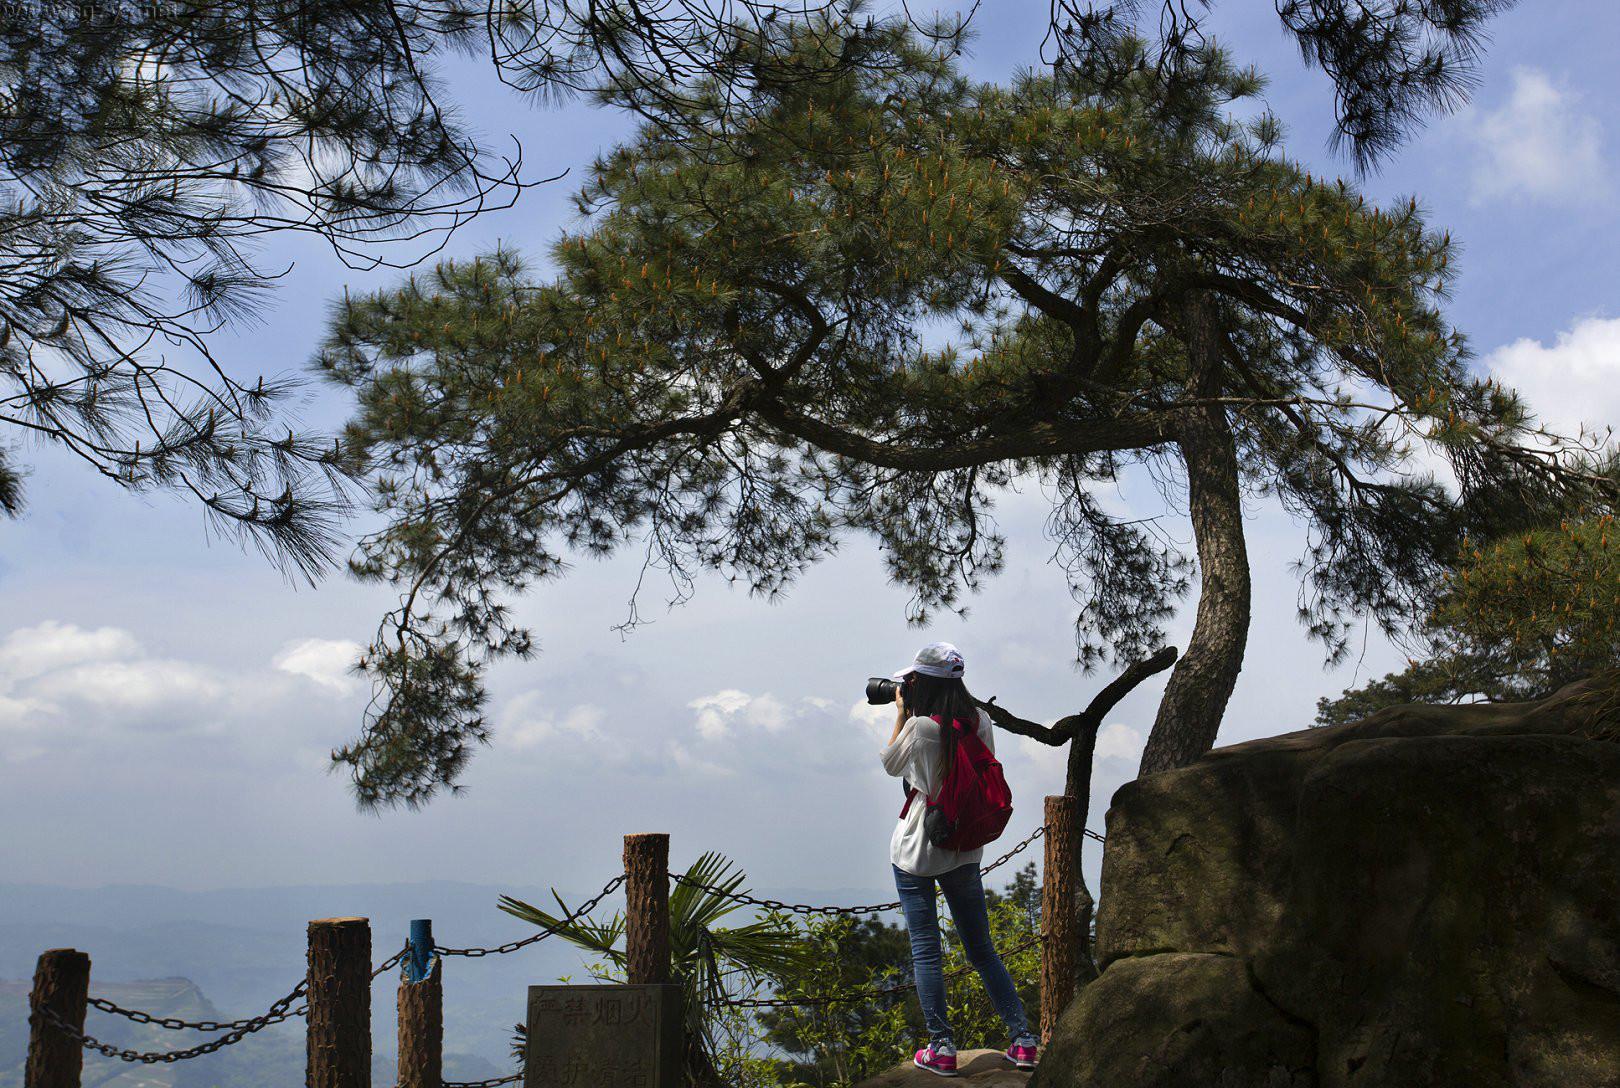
(935, 659)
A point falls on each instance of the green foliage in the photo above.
(144, 151)
(829, 1043)
(832, 1040)
(868, 308)
(827, 1040)
(146, 148)
(1392, 63)
(1518, 617)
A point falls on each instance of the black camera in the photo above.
(881, 690)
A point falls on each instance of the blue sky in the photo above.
(167, 702)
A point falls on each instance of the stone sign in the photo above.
(603, 1037)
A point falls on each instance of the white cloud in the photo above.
(143, 685)
(528, 722)
(20, 714)
(877, 720)
(719, 713)
(1538, 144)
(1119, 741)
(323, 661)
(70, 678)
(1573, 381)
(1050, 760)
(716, 711)
(30, 651)
(688, 763)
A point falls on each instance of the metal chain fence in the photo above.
(239, 1029)
(807, 910)
(278, 1012)
(512, 946)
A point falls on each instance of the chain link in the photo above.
(776, 904)
(392, 961)
(806, 910)
(91, 1043)
(237, 1029)
(511, 1078)
(1014, 852)
(512, 946)
(278, 1012)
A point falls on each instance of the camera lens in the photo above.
(880, 690)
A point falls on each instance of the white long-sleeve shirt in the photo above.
(918, 755)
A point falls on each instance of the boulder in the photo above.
(1179, 1018)
(1429, 896)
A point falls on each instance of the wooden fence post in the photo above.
(61, 984)
(646, 915)
(1060, 925)
(339, 1032)
(421, 1012)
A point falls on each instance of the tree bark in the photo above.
(421, 1029)
(1196, 696)
(339, 1026)
(646, 909)
(1063, 933)
(61, 984)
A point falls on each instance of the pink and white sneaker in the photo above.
(941, 1061)
(1021, 1056)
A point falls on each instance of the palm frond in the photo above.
(599, 937)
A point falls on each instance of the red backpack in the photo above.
(974, 801)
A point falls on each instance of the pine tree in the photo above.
(1517, 617)
(903, 293)
(145, 147)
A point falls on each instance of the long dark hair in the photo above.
(948, 699)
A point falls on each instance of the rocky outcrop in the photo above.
(1427, 897)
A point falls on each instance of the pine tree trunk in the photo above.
(338, 1029)
(1201, 684)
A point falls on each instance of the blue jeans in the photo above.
(964, 894)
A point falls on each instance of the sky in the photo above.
(168, 702)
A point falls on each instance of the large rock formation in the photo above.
(1427, 898)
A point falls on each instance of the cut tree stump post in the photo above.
(421, 1012)
(1060, 925)
(646, 914)
(61, 984)
(339, 1032)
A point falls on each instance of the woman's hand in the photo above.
(899, 712)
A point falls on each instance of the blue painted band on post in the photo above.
(421, 957)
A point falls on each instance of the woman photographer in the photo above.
(920, 750)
